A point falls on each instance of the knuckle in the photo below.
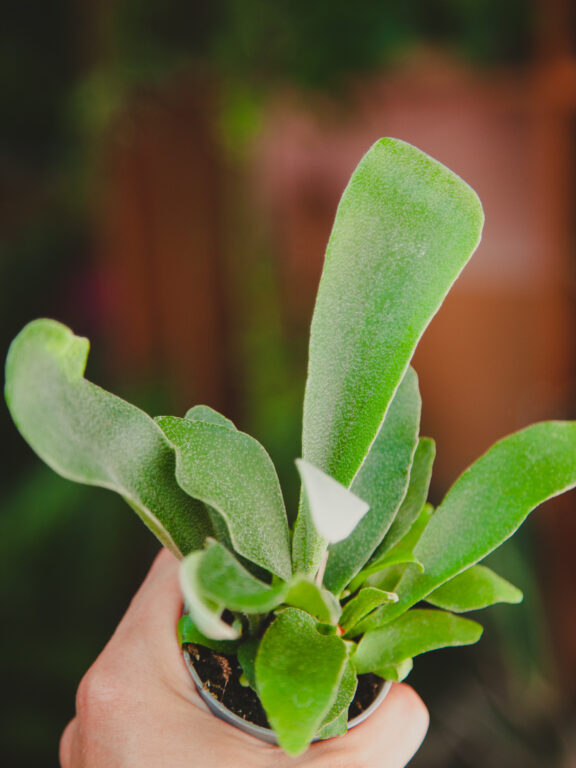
(99, 690)
(65, 748)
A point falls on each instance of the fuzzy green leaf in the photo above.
(315, 600)
(388, 578)
(405, 228)
(401, 553)
(488, 503)
(337, 727)
(298, 672)
(188, 632)
(208, 415)
(381, 481)
(397, 672)
(91, 436)
(346, 691)
(232, 473)
(362, 604)
(416, 495)
(478, 587)
(247, 659)
(416, 632)
(205, 613)
(224, 580)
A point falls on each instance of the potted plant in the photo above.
(371, 575)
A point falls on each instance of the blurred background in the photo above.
(169, 173)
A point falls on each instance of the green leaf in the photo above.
(381, 481)
(416, 495)
(224, 580)
(478, 587)
(402, 552)
(346, 692)
(397, 672)
(91, 436)
(335, 511)
(205, 613)
(417, 631)
(298, 673)
(398, 555)
(337, 727)
(209, 416)
(362, 604)
(188, 632)
(387, 579)
(327, 629)
(247, 659)
(405, 228)
(233, 474)
(488, 503)
(315, 600)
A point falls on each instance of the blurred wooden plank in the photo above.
(163, 247)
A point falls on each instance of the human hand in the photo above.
(137, 706)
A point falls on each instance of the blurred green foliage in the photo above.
(315, 44)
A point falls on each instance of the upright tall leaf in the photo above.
(401, 553)
(231, 472)
(91, 436)
(381, 481)
(416, 494)
(488, 503)
(405, 228)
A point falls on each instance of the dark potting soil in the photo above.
(368, 688)
(220, 673)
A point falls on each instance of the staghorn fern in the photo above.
(335, 598)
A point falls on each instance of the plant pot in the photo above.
(266, 734)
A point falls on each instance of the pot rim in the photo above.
(266, 734)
